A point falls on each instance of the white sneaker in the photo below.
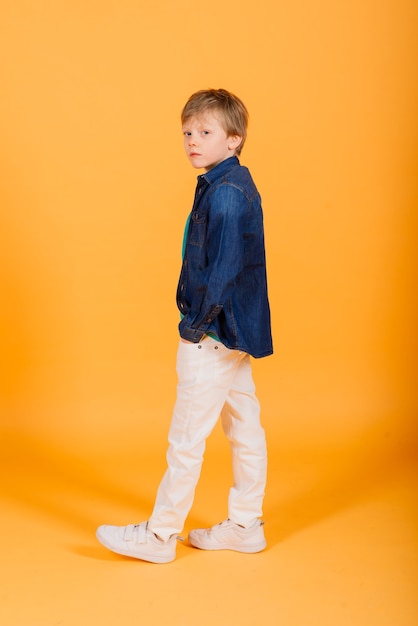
(230, 536)
(138, 541)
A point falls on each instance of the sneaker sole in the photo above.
(245, 549)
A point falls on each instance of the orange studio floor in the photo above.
(341, 530)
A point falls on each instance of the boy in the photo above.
(222, 297)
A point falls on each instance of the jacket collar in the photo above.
(219, 170)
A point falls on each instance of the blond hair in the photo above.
(233, 113)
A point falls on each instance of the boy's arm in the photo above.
(225, 254)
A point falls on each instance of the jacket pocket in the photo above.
(197, 228)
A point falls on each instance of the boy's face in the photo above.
(206, 142)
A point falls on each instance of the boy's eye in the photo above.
(187, 133)
(205, 132)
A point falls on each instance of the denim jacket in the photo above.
(223, 286)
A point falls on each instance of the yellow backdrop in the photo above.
(95, 190)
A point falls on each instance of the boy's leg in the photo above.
(243, 530)
(241, 424)
(205, 374)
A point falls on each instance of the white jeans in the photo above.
(213, 381)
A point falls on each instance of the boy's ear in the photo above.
(234, 142)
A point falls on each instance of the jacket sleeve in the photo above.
(225, 238)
